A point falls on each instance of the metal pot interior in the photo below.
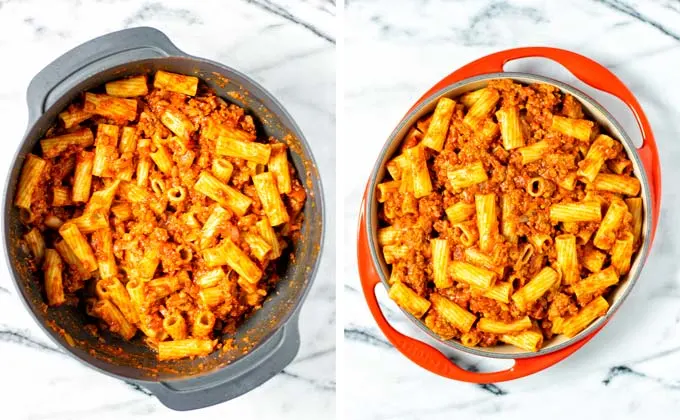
(133, 360)
(593, 111)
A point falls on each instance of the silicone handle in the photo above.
(244, 375)
(89, 58)
(589, 72)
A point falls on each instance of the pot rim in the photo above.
(619, 133)
(256, 90)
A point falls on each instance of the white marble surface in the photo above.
(631, 370)
(287, 46)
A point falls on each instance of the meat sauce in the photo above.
(507, 177)
(171, 232)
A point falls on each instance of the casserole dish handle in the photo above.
(591, 73)
(92, 57)
(244, 375)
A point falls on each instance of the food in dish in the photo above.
(156, 207)
(508, 216)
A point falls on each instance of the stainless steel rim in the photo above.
(408, 120)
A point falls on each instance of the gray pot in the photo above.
(269, 340)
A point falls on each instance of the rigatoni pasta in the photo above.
(159, 221)
(502, 217)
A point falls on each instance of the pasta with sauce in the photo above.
(508, 216)
(157, 205)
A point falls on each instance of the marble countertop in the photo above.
(286, 45)
(631, 370)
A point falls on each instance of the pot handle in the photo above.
(242, 376)
(591, 73)
(106, 51)
(423, 354)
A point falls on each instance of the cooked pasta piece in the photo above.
(180, 83)
(593, 259)
(82, 180)
(568, 182)
(267, 232)
(252, 151)
(190, 347)
(409, 300)
(259, 247)
(102, 242)
(635, 209)
(118, 109)
(482, 107)
(590, 166)
(586, 211)
(108, 312)
(222, 169)
(229, 254)
(128, 88)
(451, 312)
(595, 283)
(74, 116)
(577, 323)
(572, 127)
(102, 200)
(606, 233)
(78, 243)
(36, 244)
(620, 184)
(622, 252)
(54, 146)
(439, 125)
(71, 259)
(177, 122)
(511, 130)
(440, 263)
(545, 280)
(222, 193)
(265, 185)
(54, 287)
(112, 289)
(487, 221)
(203, 324)
(278, 165)
(460, 212)
(422, 186)
(210, 278)
(470, 98)
(526, 340)
(89, 222)
(500, 292)
(500, 327)
(567, 258)
(31, 174)
(476, 257)
(534, 152)
(175, 325)
(467, 176)
(386, 188)
(472, 275)
(161, 157)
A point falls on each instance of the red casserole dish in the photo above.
(474, 75)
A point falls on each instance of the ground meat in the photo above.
(524, 192)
